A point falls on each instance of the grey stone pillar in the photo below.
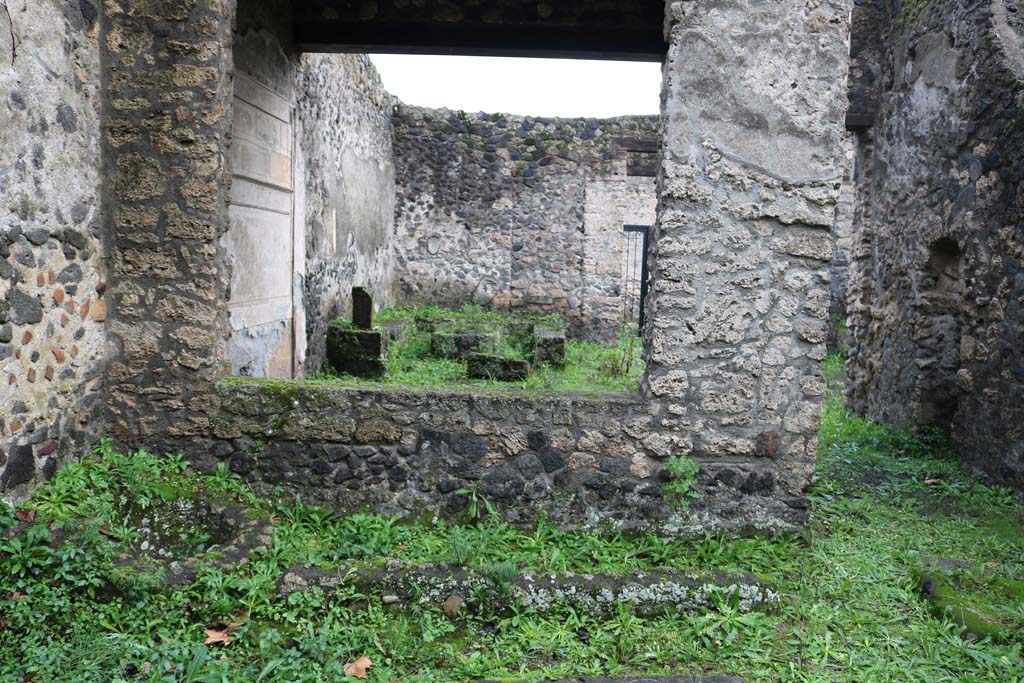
(754, 102)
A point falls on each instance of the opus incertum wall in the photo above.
(736, 331)
(521, 213)
(754, 103)
(937, 279)
(53, 300)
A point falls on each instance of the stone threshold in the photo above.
(647, 593)
(644, 679)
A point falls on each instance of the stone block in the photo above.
(21, 467)
(483, 366)
(520, 335)
(359, 353)
(645, 594)
(549, 349)
(459, 345)
(393, 330)
(428, 325)
(362, 308)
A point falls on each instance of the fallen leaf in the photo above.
(18, 596)
(357, 669)
(216, 636)
(25, 515)
(239, 620)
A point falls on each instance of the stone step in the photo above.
(647, 593)
(645, 679)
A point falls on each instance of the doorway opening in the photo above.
(635, 276)
(463, 209)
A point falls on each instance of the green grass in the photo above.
(589, 367)
(883, 502)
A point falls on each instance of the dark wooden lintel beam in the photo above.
(460, 39)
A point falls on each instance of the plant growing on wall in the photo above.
(684, 479)
(476, 505)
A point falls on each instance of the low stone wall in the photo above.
(581, 459)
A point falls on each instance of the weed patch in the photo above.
(412, 361)
(853, 609)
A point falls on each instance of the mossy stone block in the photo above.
(359, 353)
(393, 330)
(483, 366)
(459, 345)
(362, 308)
(549, 349)
(960, 597)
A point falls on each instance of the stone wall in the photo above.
(312, 196)
(611, 268)
(260, 244)
(518, 212)
(937, 284)
(52, 275)
(747, 195)
(748, 188)
(747, 191)
(580, 459)
(168, 95)
(842, 245)
(345, 139)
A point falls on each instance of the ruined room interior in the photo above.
(222, 237)
(232, 232)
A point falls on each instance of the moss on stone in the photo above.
(981, 605)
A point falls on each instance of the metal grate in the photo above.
(634, 287)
